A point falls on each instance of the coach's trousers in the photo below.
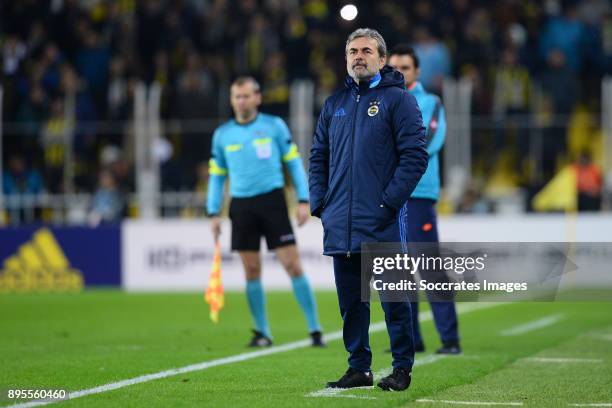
(356, 317)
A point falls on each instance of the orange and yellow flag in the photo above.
(214, 292)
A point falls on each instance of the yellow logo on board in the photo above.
(39, 265)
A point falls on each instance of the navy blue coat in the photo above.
(368, 154)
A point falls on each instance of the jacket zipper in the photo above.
(348, 253)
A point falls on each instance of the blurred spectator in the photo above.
(193, 100)
(81, 109)
(512, 85)
(511, 99)
(197, 109)
(560, 82)
(32, 112)
(276, 86)
(161, 69)
(561, 87)
(481, 95)
(124, 175)
(19, 179)
(564, 35)
(19, 184)
(260, 41)
(92, 62)
(113, 159)
(435, 59)
(49, 66)
(592, 12)
(473, 202)
(117, 90)
(316, 13)
(13, 52)
(590, 183)
(201, 188)
(523, 58)
(54, 138)
(476, 47)
(108, 204)
(149, 24)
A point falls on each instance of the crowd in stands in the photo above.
(540, 60)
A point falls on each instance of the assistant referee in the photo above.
(251, 150)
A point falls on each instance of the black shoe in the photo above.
(353, 378)
(418, 348)
(449, 348)
(398, 380)
(259, 340)
(317, 339)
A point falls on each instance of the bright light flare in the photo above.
(348, 12)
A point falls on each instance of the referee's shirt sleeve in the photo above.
(291, 157)
(217, 173)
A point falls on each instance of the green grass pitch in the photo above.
(81, 341)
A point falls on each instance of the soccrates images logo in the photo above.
(39, 265)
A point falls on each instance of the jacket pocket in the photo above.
(384, 215)
(325, 213)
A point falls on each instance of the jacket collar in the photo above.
(416, 88)
(372, 83)
(386, 77)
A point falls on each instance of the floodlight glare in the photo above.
(348, 12)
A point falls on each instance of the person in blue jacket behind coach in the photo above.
(418, 215)
(368, 155)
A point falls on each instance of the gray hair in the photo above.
(368, 33)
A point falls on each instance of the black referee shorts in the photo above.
(265, 214)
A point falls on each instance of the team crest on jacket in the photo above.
(373, 109)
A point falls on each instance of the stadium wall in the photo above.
(176, 255)
(43, 259)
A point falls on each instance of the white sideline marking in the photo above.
(337, 392)
(531, 326)
(514, 404)
(121, 347)
(607, 337)
(562, 360)
(227, 360)
(432, 358)
(596, 404)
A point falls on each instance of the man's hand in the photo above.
(215, 227)
(303, 213)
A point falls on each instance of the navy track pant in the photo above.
(356, 317)
(418, 223)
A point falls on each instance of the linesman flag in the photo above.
(214, 292)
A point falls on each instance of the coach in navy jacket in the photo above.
(368, 154)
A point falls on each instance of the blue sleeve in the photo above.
(35, 184)
(319, 164)
(439, 136)
(546, 40)
(446, 62)
(217, 173)
(410, 143)
(291, 157)
(6, 184)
